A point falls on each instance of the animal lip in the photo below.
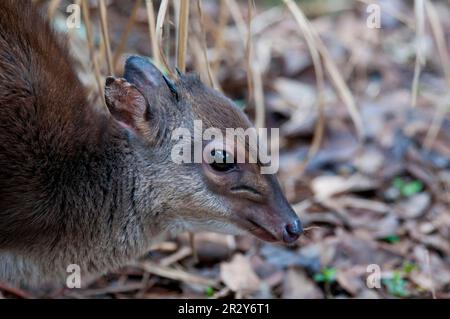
(259, 231)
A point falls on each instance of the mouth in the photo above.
(258, 231)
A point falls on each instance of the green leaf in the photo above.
(407, 188)
(409, 267)
(327, 274)
(412, 188)
(319, 278)
(391, 239)
(209, 291)
(396, 285)
(398, 183)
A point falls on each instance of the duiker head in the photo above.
(214, 192)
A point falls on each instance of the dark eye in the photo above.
(222, 161)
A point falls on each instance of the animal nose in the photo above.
(292, 231)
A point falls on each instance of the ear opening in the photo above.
(125, 102)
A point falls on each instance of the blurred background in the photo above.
(360, 92)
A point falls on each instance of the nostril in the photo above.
(292, 231)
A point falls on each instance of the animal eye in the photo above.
(222, 161)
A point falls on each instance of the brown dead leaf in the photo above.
(327, 186)
(297, 285)
(414, 206)
(350, 278)
(239, 276)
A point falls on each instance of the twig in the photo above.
(176, 274)
(193, 248)
(436, 124)
(430, 274)
(111, 289)
(177, 256)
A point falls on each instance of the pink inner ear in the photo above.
(126, 126)
(125, 102)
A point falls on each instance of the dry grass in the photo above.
(321, 58)
(219, 40)
(254, 76)
(211, 78)
(152, 32)
(105, 36)
(255, 89)
(439, 36)
(443, 106)
(92, 50)
(333, 71)
(159, 34)
(306, 29)
(419, 8)
(123, 39)
(182, 34)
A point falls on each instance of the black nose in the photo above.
(292, 231)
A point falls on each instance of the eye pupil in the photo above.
(222, 161)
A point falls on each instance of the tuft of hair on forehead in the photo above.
(210, 106)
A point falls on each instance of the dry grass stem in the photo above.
(254, 76)
(235, 12)
(219, 39)
(176, 274)
(306, 29)
(152, 32)
(126, 33)
(438, 120)
(105, 35)
(90, 40)
(419, 9)
(332, 70)
(439, 36)
(159, 33)
(211, 79)
(182, 31)
(249, 51)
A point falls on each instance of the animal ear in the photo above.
(147, 77)
(126, 103)
(142, 73)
